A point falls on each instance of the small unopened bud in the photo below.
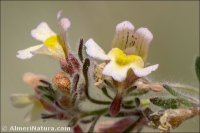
(65, 102)
(62, 82)
(150, 86)
(70, 65)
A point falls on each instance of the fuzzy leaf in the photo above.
(44, 90)
(197, 67)
(137, 93)
(131, 89)
(165, 103)
(170, 90)
(185, 102)
(49, 86)
(182, 99)
(48, 97)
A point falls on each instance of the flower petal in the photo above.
(33, 79)
(35, 112)
(43, 50)
(116, 72)
(124, 35)
(93, 50)
(64, 24)
(142, 39)
(28, 53)
(57, 51)
(21, 100)
(141, 72)
(42, 32)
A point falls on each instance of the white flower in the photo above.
(23, 100)
(129, 52)
(52, 43)
(131, 41)
(39, 105)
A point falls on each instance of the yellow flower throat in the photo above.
(52, 41)
(123, 59)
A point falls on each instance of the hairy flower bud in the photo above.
(65, 102)
(62, 82)
(70, 65)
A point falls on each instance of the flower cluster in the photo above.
(121, 75)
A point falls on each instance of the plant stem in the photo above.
(91, 130)
(106, 92)
(85, 73)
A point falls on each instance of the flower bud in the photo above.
(65, 102)
(70, 65)
(62, 82)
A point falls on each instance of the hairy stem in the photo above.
(86, 87)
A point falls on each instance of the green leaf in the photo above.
(48, 97)
(44, 90)
(165, 103)
(182, 98)
(104, 90)
(185, 102)
(132, 88)
(137, 93)
(197, 67)
(171, 91)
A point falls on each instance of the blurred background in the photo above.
(175, 26)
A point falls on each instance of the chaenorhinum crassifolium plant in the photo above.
(121, 75)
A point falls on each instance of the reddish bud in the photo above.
(70, 65)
